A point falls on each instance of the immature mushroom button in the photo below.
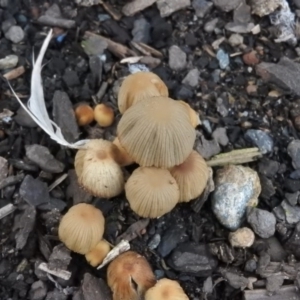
(151, 192)
(97, 169)
(157, 132)
(96, 255)
(139, 86)
(191, 176)
(104, 115)
(129, 276)
(166, 289)
(84, 114)
(81, 228)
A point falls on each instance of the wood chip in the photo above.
(14, 73)
(114, 13)
(6, 210)
(63, 274)
(135, 6)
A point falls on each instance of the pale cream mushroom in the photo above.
(194, 116)
(96, 255)
(124, 158)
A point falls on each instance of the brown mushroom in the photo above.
(191, 176)
(124, 158)
(104, 115)
(157, 132)
(84, 114)
(138, 86)
(166, 289)
(194, 116)
(81, 228)
(151, 192)
(129, 276)
(96, 255)
(98, 170)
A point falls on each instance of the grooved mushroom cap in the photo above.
(125, 159)
(191, 176)
(194, 116)
(129, 276)
(81, 228)
(98, 253)
(157, 132)
(151, 192)
(138, 86)
(98, 170)
(166, 289)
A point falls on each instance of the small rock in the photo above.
(132, 7)
(250, 265)
(177, 58)
(292, 245)
(235, 280)
(267, 188)
(220, 136)
(166, 7)
(275, 249)
(292, 198)
(222, 107)
(192, 78)
(263, 8)
(207, 148)
(3, 3)
(64, 116)
(223, 59)
(260, 139)
(236, 39)
(171, 238)
(194, 259)
(9, 61)
(242, 14)
(283, 74)
(94, 45)
(262, 222)
(236, 187)
(43, 158)
(154, 242)
(239, 27)
(202, 7)
(15, 34)
(292, 213)
(38, 290)
(3, 168)
(141, 31)
(274, 283)
(88, 2)
(70, 78)
(34, 191)
(57, 295)
(8, 23)
(60, 258)
(251, 58)
(293, 151)
(227, 5)
(243, 237)
(268, 167)
(211, 25)
(208, 285)
(251, 89)
(23, 118)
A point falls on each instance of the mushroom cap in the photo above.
(191, 176)
(151, 192)
(97, 169)
(96, 255)
(124, 158)
(81, 228)
(138, 86)
(84, 114)
(129, 276)
(157, 132)
(194, 116)
(104, 115)
(166, 289)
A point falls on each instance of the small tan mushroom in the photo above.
(151, 192)
(81, 228)
(84, 114)
(194, 116)
(98, 253)
(98, 170)
(129, 276)
(104, 115)
(139, 86)
(157, 132)
(124, 159)
(191, 176)
(166, 289)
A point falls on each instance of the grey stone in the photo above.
(53, 11)
(3, 3)
(293, 151)
(192, 78)
(133, 7)
(8, 23)
(274, 283)
(235, 280)
(285, 74)
(202, 7)
(177, 58)
(236, 187)
(154, 242)
(88, 2)
(260, 139)
(292, 198)
(94, 45)
(239, 27)
(227, 5)
(242, 14)
(292, 213)
(43, 158)
(64, 116)
(262, 222)
(268, 167)
(15, 34)
(60, 257)
(167, 7)
(292, 245)
(236, 39)
(38, 290)
(24, 119)
(34, 191)
(275, 249)
(193, 259)
(220, 136)
(56, 295)
(9, 61)
(207, 148)
(3, 168)
(141, 31)
(211, 25)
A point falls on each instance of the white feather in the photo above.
(36, 107)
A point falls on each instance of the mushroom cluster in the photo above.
(155, 132)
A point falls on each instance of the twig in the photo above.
(57, 182)
(115, 14)
(6, 210)
(63, 274)
(14, 73)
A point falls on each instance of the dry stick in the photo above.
(57, 182)
(6, 210)
(15, 73)
(117, 49)
(56, 22)
(115, 14)
(58, 273)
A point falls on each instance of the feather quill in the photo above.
(36, 107)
